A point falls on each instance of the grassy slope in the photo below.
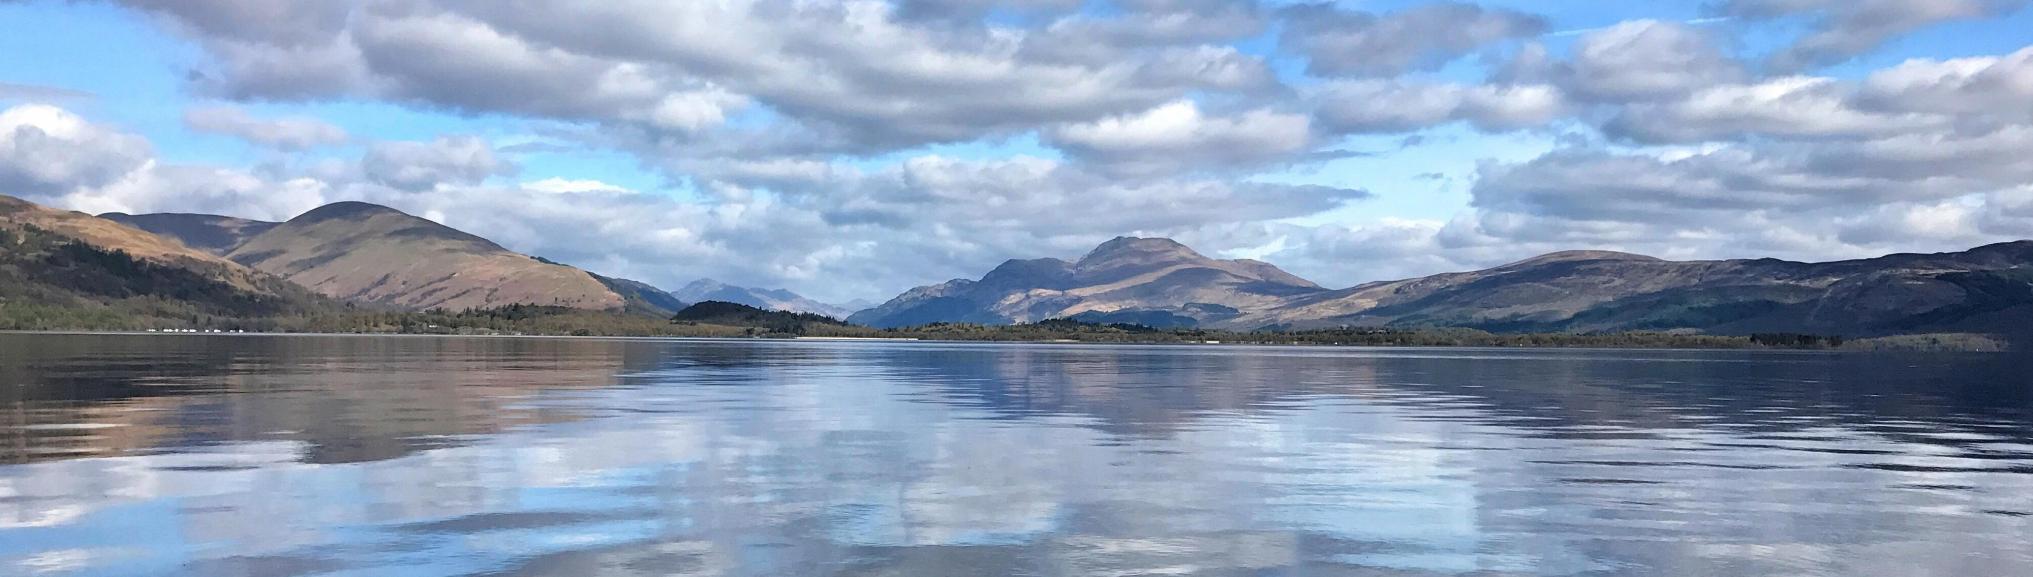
(375, 255)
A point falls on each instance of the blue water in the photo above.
(271, 456)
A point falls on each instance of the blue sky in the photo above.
(854, 149)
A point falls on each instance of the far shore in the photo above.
(1896, 343)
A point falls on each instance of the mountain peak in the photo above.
(1581, 255)
(1129, 245)
(1127, 275)
(706, 289)
(207, 232)
(374, 254)
(346, 210)
(703, 285)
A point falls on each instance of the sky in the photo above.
(853, 149)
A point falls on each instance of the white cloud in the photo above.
(1843, 29)
(1793, 106)
(1337, 42)
(1178, 136)
(291, 133)
(419, 166)
(1984, 87)
(1384, 106)
(48, 150)
(572, 186)
(1645, 59)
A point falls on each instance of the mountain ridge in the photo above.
(431, 257)
(376, 255)
(208, 232)
(1880, 295)
(67, 270)
(1123, 274)
(706, 289)
(1161, 283)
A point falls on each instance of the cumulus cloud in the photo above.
(53, 155)
(1339, 42)
(1794, 106)
(1601, 185)
(161, 187)
(1178, 136)
(964, 10)
(48, 150)
(415, 166)
(854, 68)
(277, 23)
(290, 133)
(1147, 23)
(1846, 195)
(1384, 106)
(1984, 87)
(1641, 59)
(1843, 29)
(574, 186)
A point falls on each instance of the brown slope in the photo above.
(1585, 278)
(108, 235)
(100, 232)
(207, 232)
(1606, 291)
(374, 254)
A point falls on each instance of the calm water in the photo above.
(222, 455)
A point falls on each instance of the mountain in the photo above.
(642, 298)
(72, 270)
(1160, 283)
(101, 233)
(707, 289)
(207, 232)
(62, 269)
(373, 254)
(741, 315)
(1145, 280)
(1986, 289)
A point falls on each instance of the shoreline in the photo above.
(1861, 345)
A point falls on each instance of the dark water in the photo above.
(201, 455)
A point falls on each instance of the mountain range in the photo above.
(1157, 282)
(1150, 281)
(707, 289)
(375, 256)
(62, 269)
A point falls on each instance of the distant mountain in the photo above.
(92, 272)
(707, 289)
(207, 232)
(1123, 280)
(373, 254)
(741, 315)
(1160, 283)
(62, 269)
(1986, 289)
(643, 298)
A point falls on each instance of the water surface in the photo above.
(248, 455)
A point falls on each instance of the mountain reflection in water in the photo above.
(244, 455)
